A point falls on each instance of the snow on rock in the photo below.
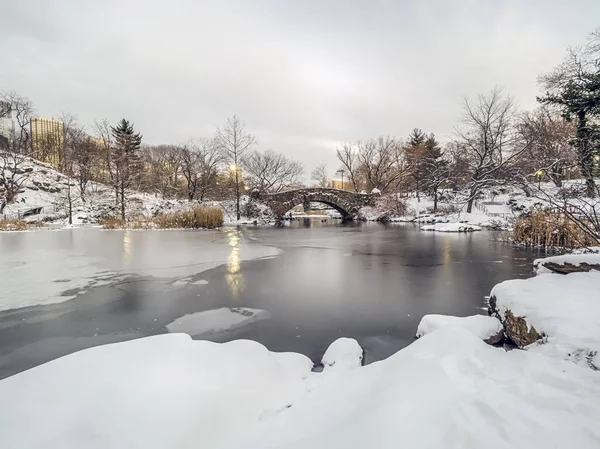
(487, 328)
(217, 320)
(342, 354)
(451, 227)
(565, 309)
(376, 191)
(589, 260)
(447, 390)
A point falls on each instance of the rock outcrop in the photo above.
(516, 328)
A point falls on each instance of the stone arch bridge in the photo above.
(345, 202)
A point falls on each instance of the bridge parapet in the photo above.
(346, 203)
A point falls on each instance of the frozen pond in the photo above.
(296, 288)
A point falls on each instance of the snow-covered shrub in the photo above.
(445, 209)
(393, 204)
(250, 209)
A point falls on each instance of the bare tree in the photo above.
(319, 176)
(15, 145)
(348, 157)
(487, 141)
(378, 162)
(200, 160)
(105, 143)
(163, 167)
(269, 171)
(234, 141)
(550, 153)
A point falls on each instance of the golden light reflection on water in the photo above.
(235, 279)
(127, 248)
(447, 254)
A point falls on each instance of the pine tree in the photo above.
(435, 169)
(125, 160)
(415, 152)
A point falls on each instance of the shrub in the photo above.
(394, 204)
(112, 223)
(550, 229)
(199, 217)
(19, 225)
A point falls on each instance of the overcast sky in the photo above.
(304, 75)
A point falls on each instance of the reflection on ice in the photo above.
(235, 280)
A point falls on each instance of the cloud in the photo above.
(305, 76)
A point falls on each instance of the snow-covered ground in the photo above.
(563, 308)
(451, 227)
(447, 390)
(485, 327)
(592, 258)
(46, 187)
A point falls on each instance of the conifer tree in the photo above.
(125, 160)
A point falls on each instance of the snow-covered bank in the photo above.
(488, 328)
(576, 260)
(561, 314)
(451, 227)
(447, 390)
(46, 188)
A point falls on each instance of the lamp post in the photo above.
(539, 175)
(341, 172)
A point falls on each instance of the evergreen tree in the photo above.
(415, 152)
(125, 160)
(435, 169)
(575, 87)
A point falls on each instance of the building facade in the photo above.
(47, 141)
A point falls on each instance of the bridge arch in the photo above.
(346, 203)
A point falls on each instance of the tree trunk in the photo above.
(123, 203)
(435, 201)
(237, 193)
(470, 205)
(585, 154)
(70, 202)
(527, 190)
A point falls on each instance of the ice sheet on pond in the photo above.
(47, 267)
(217, 320)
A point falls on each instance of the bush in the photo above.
(112, 223)
(444, 209)
(550, 229)
(250, 209)
(19, 225)
(394, 204)
(199, 217)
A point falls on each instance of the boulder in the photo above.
(516, 328)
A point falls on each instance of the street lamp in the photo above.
(232, 167)
(539, 175)
(341, 172)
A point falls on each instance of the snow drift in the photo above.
(487, 328)
(447, 390)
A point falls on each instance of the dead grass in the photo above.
(199, 217)
(550, 230)
(19, 225)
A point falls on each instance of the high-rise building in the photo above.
(47, 140)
